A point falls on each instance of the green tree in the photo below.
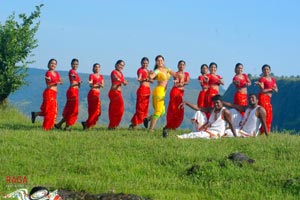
(17, 40)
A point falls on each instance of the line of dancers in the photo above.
(208, 80)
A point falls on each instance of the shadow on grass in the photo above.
(12, 126)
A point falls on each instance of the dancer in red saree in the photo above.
(175, 114)
(214, 81)
(116, 104)
(267, 85)
(203, 81)
(49, 105)
(96, 82)
(241, 82)
(143, 94)
(70, 112)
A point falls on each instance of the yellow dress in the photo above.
(159, 93)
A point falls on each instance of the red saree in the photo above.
(208, 102)
(241, 100)
(116, 108)
(49, 108)
(142, 105)
(70, 113)
(94, 108)
(201, 98)
(264, 100)
(174, 114)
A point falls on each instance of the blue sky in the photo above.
(226, 32)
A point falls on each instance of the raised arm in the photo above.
(192, 106)
(174, 74)
(153, 74)
(195, 107)
(238, 107)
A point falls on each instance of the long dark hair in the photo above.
(202, 66)
(74, 60)
(156, 58)
(94, 66)
(180, 61)
(144, 59)
(52, 59)
(118, 62)
(264, 66)
(213, 63)
(237, 65)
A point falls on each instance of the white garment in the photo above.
(249, 126)
(198, 120)
(215, 128)
(199, 134)
(236, 117)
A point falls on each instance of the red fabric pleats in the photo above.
(264, 100)
(175, 114)
(116, 108)
(142, 105)
(49, 108)
(94, 108)
(208, 102)
(201, 98)
(241, 100)
(70, 112)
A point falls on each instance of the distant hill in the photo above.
(29, 98)
(286, 111)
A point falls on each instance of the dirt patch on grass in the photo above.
(71, 195)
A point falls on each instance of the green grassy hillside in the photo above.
(146, 164)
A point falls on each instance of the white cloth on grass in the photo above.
(215, 129)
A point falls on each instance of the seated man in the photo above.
(215, 127)
(255, 116)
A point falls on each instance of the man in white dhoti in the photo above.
(255, 116)
(213, 128)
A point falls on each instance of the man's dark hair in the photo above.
(252, 94)
(217, 97)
